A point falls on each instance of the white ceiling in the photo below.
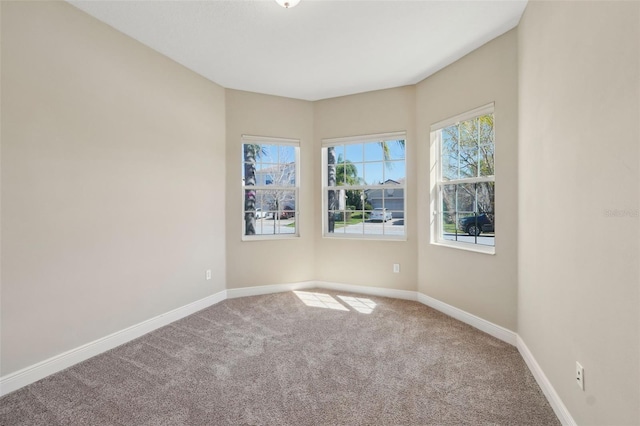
(319, 49)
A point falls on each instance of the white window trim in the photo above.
(483, 110)
(436, 181)
(350, 140)
(267, 140)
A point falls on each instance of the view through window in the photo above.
(270, 187)
(364, 186)
(465, 190)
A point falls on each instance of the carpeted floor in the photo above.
(316, 357)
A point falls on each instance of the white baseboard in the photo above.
(549, 392)
(488, 327)
(373, 291)
(305, 285)
(38, 371)
(233, 293)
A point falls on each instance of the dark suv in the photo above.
(474, 225)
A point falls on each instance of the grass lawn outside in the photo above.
(451, 228)
(353, 220)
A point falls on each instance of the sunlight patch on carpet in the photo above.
(320, 300)
(360, 304)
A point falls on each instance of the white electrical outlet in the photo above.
(396, 268)
(208, 274)
(580, 375)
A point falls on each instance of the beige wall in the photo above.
(368, 263)
(113, 170)
(579, 150)
(121, 183)
(484, 285)
(255, 263)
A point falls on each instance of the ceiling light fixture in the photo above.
(287, 3)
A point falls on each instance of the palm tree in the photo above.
(386, 153)
(251, 153)
(331, 181)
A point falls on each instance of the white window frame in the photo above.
(351, 140)
(267, 140)
(437, 183)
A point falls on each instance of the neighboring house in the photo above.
(393, 198)
(278, 175)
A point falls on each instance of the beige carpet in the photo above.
(314, 358)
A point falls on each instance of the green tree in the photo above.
(347, 174)
(468, 152)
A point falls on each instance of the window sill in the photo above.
(270, 237)
(360, 237)
(490, 250)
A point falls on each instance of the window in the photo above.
(270, 182)
(463, 160)
(364, 187)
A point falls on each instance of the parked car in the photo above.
(475, 225)
(381, 214)
(260, 214)
(287, 213)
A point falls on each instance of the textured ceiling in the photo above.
(319, 49)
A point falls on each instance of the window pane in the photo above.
(263, 174)
(354, 153)
(395, 171)
(332, 165)
(261, 201)
(486, 154)
(373, 173)
(348, 173)
(342, 169)
(335, 217)
(281, 200)
(373, 152)
(468, 161)
(393, 198)
(449, 148)
(283, 174)
(486, 197)
(469, 132)
(468, 149)
(354, 200)
(465, 197)
(249, 200)
(333, 197)
(396, 149)
(336, 221)
(485, 124)
(286, 154)
(449, 199)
